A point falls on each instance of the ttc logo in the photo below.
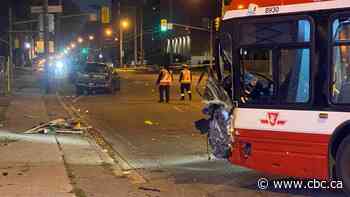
(272, 119)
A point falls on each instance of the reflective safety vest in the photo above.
(186, 76)
(166, 78)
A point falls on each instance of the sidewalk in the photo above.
(31, 165)
(36, 165)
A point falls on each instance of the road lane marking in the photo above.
(178, 109)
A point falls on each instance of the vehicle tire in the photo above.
(117, 85)
(343, 163)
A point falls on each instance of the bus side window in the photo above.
(294, 76)
(341, 62)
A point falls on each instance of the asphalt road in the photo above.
(160, 142)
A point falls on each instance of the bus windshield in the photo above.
(275, 62)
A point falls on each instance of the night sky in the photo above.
(85, 4)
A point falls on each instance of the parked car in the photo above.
(38, 63)
(96, 76)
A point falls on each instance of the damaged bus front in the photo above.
(278, 100)
(217, 95)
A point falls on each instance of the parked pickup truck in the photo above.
(92, 77)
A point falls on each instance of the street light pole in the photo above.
(121, 47)
(141, 37)
(58, 29)
(46, 46)
(135, 36)
(121, 54)
(171, 35)
(10, 61)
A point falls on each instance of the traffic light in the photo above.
(217, 22)
(84, 51)
(108, 32)
(163, 25)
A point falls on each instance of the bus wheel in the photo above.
(343, 163)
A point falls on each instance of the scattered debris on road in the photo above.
(149, 189)
(6, 141)
(31, 117)
(148, 122)
(63, 126)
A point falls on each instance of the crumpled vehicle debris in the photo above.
(219, 132)
(217, 126)
(63, 126)
(218, 129)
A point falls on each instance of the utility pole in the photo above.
(10, 60)
(171, 33)
(46, 46)
(58, 28)
(141, 37)
(135, 36)
(121, 52)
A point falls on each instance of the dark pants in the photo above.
(186, 87)
(164, 90)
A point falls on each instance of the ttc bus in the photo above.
(290, 69)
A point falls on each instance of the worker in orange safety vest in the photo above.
(185, 81)
(164, 82)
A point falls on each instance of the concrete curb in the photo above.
(104, 150)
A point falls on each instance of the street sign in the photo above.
(39, 47)
(51, 47)
(17, 45)
(51, 23)
(51, 9)
(105, 15)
